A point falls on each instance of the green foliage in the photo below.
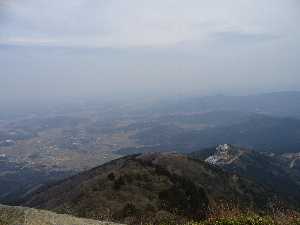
(111, 176)
(295, 222)
(119, 183)
(130, 210)
(2, 222)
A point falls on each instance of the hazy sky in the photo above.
(72, 48)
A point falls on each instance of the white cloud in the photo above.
(221, 46)
(127, 23)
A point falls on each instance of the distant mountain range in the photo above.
(282, 104)
(255, 131)
(153, 186)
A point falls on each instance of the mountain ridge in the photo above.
(145, 186)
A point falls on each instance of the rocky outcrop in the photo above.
(27, 216)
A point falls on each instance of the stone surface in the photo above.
(26, 216)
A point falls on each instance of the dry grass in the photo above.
(225, 214)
